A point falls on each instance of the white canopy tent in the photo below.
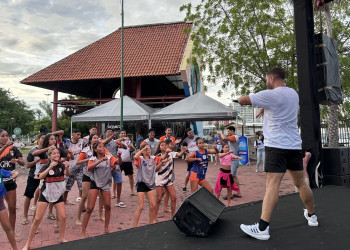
(110, 111)
(198, 107)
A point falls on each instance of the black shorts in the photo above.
(86, 178)
(127, 168)
(43, 199)
(32, 185)
(189, 166)
(141, 187)
(10, 185)
(93, 185)
(279, 160)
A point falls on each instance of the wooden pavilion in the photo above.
(157, 71)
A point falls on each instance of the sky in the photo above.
(37, 33)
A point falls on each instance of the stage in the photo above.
(288, 228)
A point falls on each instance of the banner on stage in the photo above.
(243, 151)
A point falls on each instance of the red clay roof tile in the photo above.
(149, 50)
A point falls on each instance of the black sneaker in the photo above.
(184, 189)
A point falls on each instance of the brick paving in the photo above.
(252, 189)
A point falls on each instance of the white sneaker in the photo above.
(311, 220)
(253, 231)
(120, 204)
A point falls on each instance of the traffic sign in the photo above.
(17, 131)
(13, 136)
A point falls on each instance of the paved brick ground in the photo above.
(252, 188)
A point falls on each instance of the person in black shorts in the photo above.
(34, 163)
(279, 105)
(53, 173)
(9, 157)
(126, 157)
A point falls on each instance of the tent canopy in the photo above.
(197, 107)
(110, 111)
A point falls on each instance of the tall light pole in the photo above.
(122, 71)
(47, 97)
(11, 123)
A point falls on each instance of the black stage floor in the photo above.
(288, 228)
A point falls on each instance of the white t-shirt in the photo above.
(280, 117)
(126, 157)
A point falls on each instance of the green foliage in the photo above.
(11, 107)
(238, 41)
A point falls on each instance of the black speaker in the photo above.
(336, 161)
(327, 70)
(337, 180)
(198, 213)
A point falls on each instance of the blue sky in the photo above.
(36, 33)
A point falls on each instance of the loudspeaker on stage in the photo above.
(198, 213)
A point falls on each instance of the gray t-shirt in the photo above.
(112, 147)
(280, 117)
(101, 174)
(146, 171)
(152, 145)
(85, 153)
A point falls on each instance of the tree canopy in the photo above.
(237, 42)
(14, 113)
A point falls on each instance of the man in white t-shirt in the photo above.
(126, 159)
(279, 105)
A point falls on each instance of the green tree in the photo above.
(11, 107)
(335, 14)
(238, 41)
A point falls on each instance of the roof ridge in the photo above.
(154, 24)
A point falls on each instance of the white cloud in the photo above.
(37, 33)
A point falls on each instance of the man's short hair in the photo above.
(76, 131)
(231, 128)
(277, 73)
(151, 130)
(188, 130)
(109, 129)
(122, 130)
(93, 127)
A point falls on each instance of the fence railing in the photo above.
(344, 134)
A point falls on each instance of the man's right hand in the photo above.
(261, 113)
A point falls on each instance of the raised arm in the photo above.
(91, 166)
(191, 157)
(215, 150)
(244, 100)
(182, 152)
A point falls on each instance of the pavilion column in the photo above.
(54, 111)
(138, 88)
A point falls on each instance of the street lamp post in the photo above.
(11, 123)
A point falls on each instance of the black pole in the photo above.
(308, 93)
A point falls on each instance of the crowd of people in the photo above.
(96, 165)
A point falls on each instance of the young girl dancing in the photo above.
(164, 177)
(54, 186)
(83, 159)
(225, 179)
(145, 181)
(100, 166)
(200, 165)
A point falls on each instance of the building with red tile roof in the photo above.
(156, 68)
